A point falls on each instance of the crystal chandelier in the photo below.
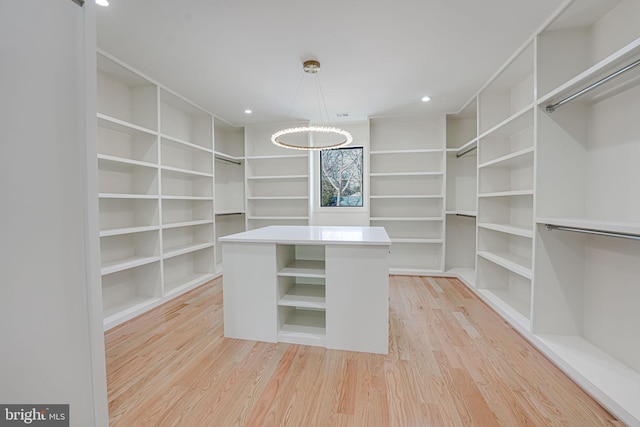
(318, 137)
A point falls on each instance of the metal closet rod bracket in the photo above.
(552, 107)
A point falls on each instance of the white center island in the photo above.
(312, 285)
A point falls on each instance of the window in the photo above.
(341, 177)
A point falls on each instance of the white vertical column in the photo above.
(249, 290)
(357, 297)
(50, 304)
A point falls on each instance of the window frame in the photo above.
(359, 208)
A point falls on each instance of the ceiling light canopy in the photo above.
(312, 137)
(426, 99)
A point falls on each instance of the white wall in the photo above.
(336, 215)
(52, 347)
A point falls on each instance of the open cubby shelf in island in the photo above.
(407, 174)
(312, 285)
(156, 192)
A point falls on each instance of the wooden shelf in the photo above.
(187, 223)
(186, 171)
(391, 174)
(407, 196)
(278, 198)
(515, 229)
(185, 249)
(169, 197)
(127, 230)
(304, 268)
(608, 380)
(507, 193)
(515, 263)
(278, 217)
(277, 177)
(126, 196)
(304, 327)
(126, 263)
(186, 143)
(517, 121)
(107, 122)
(123, 160)
(408, 151)
(517, 159)
(304, 296)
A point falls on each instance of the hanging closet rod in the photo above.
(552, 107)
(235, 162)
(468, 150)
(592, 231)
(229, 213)
(466, 215)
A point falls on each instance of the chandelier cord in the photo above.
(295, 96)
(321, 103)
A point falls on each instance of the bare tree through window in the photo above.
(341, 177)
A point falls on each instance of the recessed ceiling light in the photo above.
(102, 3)
(426, 99)
(247, 111)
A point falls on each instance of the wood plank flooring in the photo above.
(452, 362)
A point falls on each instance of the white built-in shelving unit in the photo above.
(229, 183)
(407, 165)
(156, 192)
(461, 200)
(558, 230)
(505, 189)
(277, 180)
(585, 301)
(186, 153)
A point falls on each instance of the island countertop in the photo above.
(292, 234)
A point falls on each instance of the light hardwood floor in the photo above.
(452, 362)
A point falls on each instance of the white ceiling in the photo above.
(378, 57)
